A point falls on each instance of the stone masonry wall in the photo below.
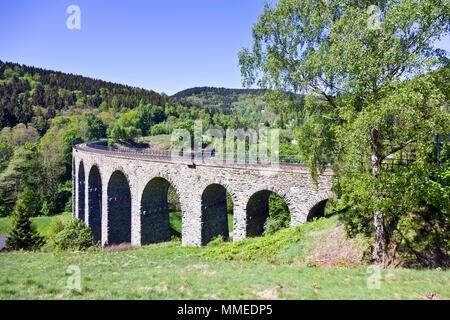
(119, 195)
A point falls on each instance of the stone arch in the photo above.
(214, 218)
(173, 183)
(95, 202)
(81, 191)
(315, 207)
(154, 210)
(119, 208)
(257, 210)
(228, 188)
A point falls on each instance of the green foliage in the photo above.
(126, 127)
(6, 152)
(48, 208)
(23, 234)
(90, 127)
(287, 148)
(31, 201)
(19, 135)
(42, 223)
(256, 248)
(74, 236)
(160, 128)
(144, 121)
(414, 202)
(370, 93)
(216, 242)
(22, 172)
(5, 208)
(279, 211)
(56, 164)
(230, 203)
(148, 116)
(56, 226)
(127, 134)
(68, 206)
(271, 226)
(186, 125)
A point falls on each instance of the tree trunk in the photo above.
(379, 250)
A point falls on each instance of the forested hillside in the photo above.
(34, 95)
(43, 112)
(222, 98)
(226, 99)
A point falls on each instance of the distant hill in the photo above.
(221, 98)
(218, 91)
(27, 93)
(224, 99)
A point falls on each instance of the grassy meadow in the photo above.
(286, 265)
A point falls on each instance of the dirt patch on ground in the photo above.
(269, 294)
(334, 249)
(431, 296)
(156, 144)
(119, 247)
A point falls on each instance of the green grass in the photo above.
(169, 271)
(285, 246)
(42, 223)
(160, 138)
(259, 268)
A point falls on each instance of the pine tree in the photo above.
(23, 234)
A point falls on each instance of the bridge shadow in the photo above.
(321, 208)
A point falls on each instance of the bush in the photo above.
(160, 128)
(55, 227)
(279, 210)
(23, 234)
(68, 206)
(5, 210)
(272, 225)
(48, 208)
(31, 201)
(216, 242)
(74, 236)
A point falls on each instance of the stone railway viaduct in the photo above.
(122, 196)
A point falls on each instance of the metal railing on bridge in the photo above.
(206, 156)
(227, 159)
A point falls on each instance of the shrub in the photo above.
(5, 209)
(216, 242)
(31, 201)
(272, 225)
(160, 128)
(68, 206)
(23, 234)
(56, 226)
(279, 210)
(74, 236)
(48, 208)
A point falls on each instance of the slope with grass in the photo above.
(274, 267)
(42, 223)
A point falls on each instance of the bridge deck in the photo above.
(282, 162)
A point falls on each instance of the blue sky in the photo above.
(162, 45)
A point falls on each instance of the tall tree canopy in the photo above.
(372, 88)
